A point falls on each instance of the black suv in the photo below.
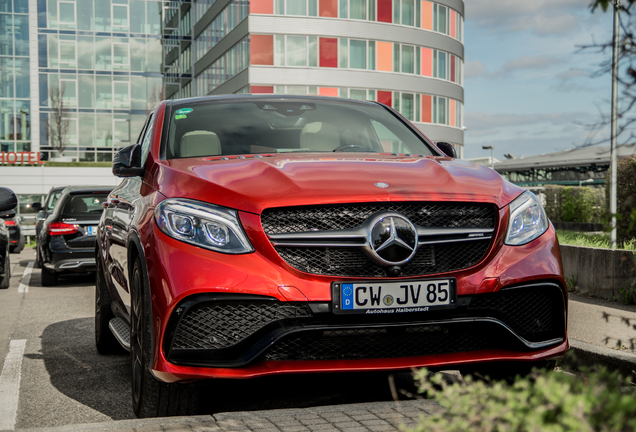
(66, 242)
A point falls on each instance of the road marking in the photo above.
(26, 278)
(10, 384)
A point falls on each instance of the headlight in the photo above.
(527, 220)
(201, 224)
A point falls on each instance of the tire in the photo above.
(38, 258)
(49, 278)
(20, 245)
(151, 397)
(105, 341)
(6, 280)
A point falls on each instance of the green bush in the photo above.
(574, 204)
(625, 199)
(548, 401)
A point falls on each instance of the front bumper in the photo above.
(236, 331)
(184, 279)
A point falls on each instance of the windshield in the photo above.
(84, 205)
(280, 126)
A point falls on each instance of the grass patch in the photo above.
(599, 240)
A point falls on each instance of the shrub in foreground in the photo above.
(546, 401)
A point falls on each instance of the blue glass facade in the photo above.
(15, 110)
(111, 61)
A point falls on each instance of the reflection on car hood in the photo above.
(253, 184)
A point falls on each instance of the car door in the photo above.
(120, 212)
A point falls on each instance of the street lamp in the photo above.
(492, 158)
(613, 189)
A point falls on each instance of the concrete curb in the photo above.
(361, 417)
(158, 424)
(418, 404)
(593, 355)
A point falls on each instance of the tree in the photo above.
(627, 74)
(58, 123)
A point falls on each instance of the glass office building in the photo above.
(15, 106)
(92, 69)
(103, 64)
(408, 54)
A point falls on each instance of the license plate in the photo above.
(394, 297)
(91, 230)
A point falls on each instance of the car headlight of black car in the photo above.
(202, 224)
(528, 220)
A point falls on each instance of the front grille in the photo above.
(429, 259)
(237, 332)
(347, 216)
(390, 342)
(217, 325)
(345, 260)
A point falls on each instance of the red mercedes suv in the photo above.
(257, 235)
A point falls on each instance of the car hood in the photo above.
(253, 184)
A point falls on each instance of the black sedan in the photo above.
(8, 201)
(66, 242)
(44, 210)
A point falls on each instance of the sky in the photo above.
(528, 87)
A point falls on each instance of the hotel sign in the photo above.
(20, 158)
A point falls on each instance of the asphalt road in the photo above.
(53, 375)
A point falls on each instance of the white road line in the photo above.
(26, 278)
(10, 384)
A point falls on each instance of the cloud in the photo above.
(544, 17)
(573, 73)
(531, 62)
(479, 122)
(474, 69)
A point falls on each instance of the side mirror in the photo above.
(40, 216)
(8, 200)
(7, 214)
(36, 206)
(127, 162)
(447, 148)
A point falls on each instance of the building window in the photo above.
(171, 18)
(233, 14)
(439, 64)
(121, 94)
(440, 18)
(406, 12)
(68, 53)
(120, 54)
(67, 12)
(296, 7)
(357, 54)
(69, 89)
(120, 15)
(357, 9)
(296, 51)
(121, 132)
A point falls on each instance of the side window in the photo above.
(145, 140)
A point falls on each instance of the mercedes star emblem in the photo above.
(392, 239)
